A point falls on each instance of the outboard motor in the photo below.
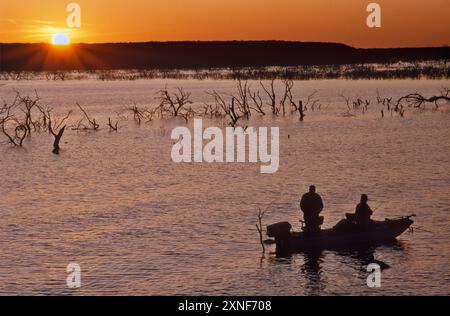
(279, 229)
(282, 234)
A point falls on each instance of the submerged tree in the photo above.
(55, 126)
(229, 108)
(270, 91)
(92, 123)
(174, 103)
(417, 100)
(241, 99)
(12, 127)
(57, 135)
(259, 228)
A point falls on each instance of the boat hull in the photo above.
(376, 233)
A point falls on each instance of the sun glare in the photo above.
(60, 39)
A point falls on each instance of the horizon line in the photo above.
(223, 41)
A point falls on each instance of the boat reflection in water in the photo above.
(314, 271)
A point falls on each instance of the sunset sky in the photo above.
(404, 22)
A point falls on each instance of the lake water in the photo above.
(137, 223)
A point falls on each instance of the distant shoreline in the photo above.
(430, 70)
(202, 55)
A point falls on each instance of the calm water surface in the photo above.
(137, 223)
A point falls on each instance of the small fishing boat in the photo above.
(344, 235)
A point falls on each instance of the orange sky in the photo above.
(404, 22)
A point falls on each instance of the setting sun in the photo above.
(60, 39)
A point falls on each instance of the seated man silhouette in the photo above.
(363, 211)
(311, 204)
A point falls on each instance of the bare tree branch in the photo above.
(417, 100)
(270, 91)
(93, 125)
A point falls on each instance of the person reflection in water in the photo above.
(312, 270)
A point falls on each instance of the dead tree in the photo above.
(149, 114)
(92, 123)
(55, 126)
(302, 107)
(142, 114)
(288, 85)
(219, 100)
(212, 110)
(232, 114)
(417, 100)
(259, 228)
(383, 101)
(188, 114)
(242, 99)
(14, 129)
(347, 103)
(387, 101)
(257, 102)
(357, 103)
(57, 135)
(228, 108)
(20, 131)
(270, 91)
(175, 103)
(311, 100)
(113, 127)
(29, 104)
(301, 110)
(137, 113)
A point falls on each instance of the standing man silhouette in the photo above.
(311, 204)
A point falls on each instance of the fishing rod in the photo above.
(378, 206)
